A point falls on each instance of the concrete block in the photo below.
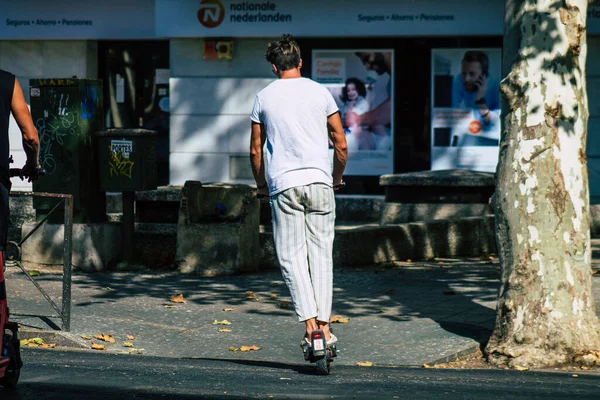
(156, 245)
(358, 208)
(454, 177)
(399, 213)
(451, 186)
(95, 246)
(216, 202)
(217, 249)
(162, 193)
(21, 212)
(218, 231)
(267, 257)
(468, 237)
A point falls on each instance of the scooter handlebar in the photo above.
(19, 172)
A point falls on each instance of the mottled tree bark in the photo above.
(546, 312)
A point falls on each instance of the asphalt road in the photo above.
(55, 374)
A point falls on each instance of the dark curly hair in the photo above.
(284, 53)
(480, 57)
(358, 84)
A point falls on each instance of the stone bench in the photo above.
(436, 195)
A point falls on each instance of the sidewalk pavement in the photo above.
(405, 314)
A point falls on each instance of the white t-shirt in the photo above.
(294, 113)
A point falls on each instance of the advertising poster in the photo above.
(465, 125)
(361, 82)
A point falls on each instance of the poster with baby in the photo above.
(361, 82)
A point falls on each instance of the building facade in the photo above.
(190, 70)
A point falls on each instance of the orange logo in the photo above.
(474, 127)
(211, 14)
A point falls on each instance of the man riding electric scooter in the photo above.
(12, 101)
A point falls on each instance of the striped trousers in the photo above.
(303, 231)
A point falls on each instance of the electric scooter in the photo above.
(317, 351)
(10, 356)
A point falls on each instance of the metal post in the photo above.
(67, 254)
(128, 225)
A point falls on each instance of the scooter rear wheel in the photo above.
(13, 370)
(323, 365)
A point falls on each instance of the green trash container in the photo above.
(66, 113)
(127, 159)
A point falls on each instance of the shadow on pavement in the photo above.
(308, 369)
(458, 294)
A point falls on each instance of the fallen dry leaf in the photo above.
(338, 320)
(365, 364)
(33, 272)
(170, 307)
(98, 346)
(229, 309)
(130, 337)
(224, 330)
(274, 296)
(251, 296)
(36, 342)
(136, 351)
(106, 338)
(86, 338)
(224, 322)
(520, 368)
(233, 348)
(284, 304)
(249, 348)
(177, 298)
(428, 366)
(409, 260)
(17, 292)
(127, 344)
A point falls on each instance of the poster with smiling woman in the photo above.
(361, 82)
(465, 104)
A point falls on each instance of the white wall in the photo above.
(43, 59)
(210, 105)
(593, 141)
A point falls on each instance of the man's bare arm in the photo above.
(340, 155)
(31, 140)
(257, 142)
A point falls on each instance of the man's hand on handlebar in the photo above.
(31, 172)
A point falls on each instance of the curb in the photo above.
(453, 357)
(61, 339)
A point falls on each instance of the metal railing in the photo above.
(64, 312)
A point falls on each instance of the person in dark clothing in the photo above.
(13, 102)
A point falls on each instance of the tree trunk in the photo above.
(546, 312)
